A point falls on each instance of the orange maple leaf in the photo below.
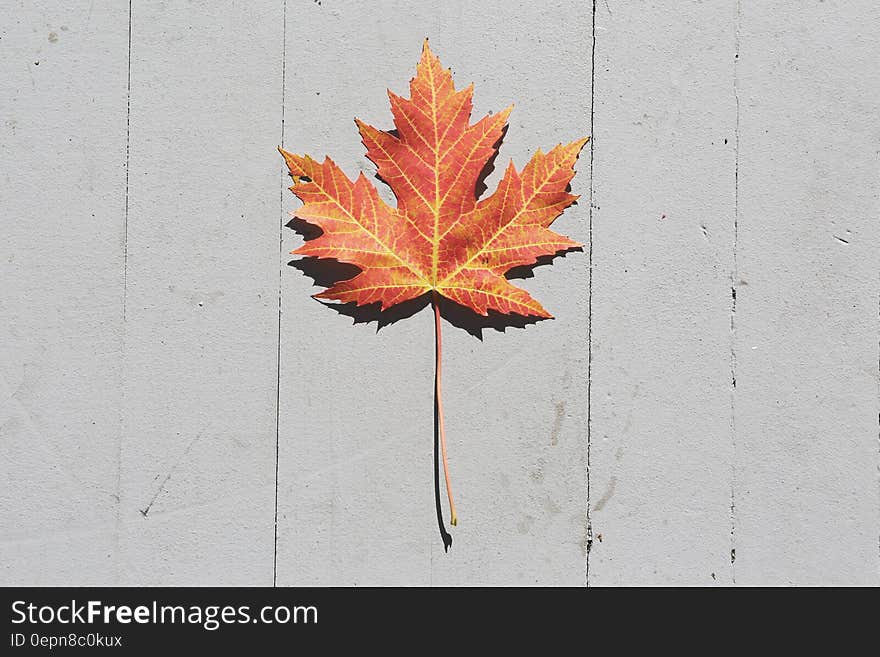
(440, 239)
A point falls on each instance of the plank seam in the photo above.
(280, 279)
(734, 283)
(589, 522)
(123, 332)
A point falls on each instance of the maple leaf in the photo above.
(440, 239)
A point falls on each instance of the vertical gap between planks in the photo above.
(589, 527)
(280, 279)
(122, 336)
(734, 284)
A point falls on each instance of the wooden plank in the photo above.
(62, 189)
(661, 343)
(806, 320)
(202, 298)
(356, 491)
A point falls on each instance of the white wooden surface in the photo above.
(202, 293)
(62, 193)
(664, 169)
(143, 386)
(809, 175)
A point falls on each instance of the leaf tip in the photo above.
(427, 53)
(364, 128)
(542, 313)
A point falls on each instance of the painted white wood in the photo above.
(202, 298)
(806, 324)
(661, 450)
(62, 194)
(139, 301)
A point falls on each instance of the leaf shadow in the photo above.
(326, 272)
(445, 536)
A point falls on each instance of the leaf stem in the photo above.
(438, 402)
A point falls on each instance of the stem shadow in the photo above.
(444, 534)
